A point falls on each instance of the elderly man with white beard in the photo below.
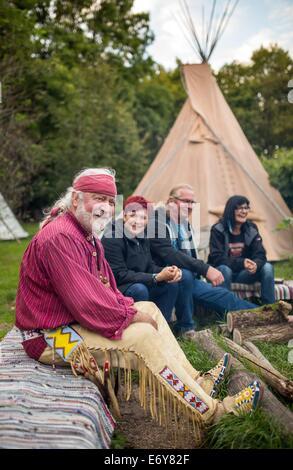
(70, 312)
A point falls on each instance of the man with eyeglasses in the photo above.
(172, 243)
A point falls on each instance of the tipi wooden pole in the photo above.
(277, 381)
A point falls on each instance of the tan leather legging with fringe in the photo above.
(165, 374)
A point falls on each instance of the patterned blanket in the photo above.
(245, 291)
(43, 408)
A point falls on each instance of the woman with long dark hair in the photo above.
(237, 251)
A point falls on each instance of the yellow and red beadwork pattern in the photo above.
(183, 390)
(248, 396)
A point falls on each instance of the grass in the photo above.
(284, 269)
(197, 357)
(119, 441)
(10, 257)
(255, 431)
(278, 355)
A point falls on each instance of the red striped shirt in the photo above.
(60, 284)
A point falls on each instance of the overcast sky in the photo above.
(254, 23)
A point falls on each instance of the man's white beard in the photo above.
(91, 223)
(98, 226)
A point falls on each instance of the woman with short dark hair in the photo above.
(127, 250)
(237, 251)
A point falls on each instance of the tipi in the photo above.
(207, 149)
(10, 229)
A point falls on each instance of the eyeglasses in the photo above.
(185, 201)
(242, 209)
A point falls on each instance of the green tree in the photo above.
(280, 169)
(83, 31)
(258, 95)
(67, 101)
(20, 148)
(158, 100)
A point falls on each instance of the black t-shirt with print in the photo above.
(236, 245)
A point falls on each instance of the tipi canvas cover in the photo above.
(207, 149)
(10, 229)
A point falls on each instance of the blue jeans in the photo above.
(163, 295)
(193, 291)
(184, 305)
(265, 276)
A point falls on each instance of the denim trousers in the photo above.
(193, 292)
(163, 295)
(265, 276)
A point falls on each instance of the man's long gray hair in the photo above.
(64, 203)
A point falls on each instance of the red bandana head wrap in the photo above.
(133, 203)
(102, 184)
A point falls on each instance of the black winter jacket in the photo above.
(164, 253)
(130, 260)
(219, 247)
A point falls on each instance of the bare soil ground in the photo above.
(142, 432)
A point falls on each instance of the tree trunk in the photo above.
(278, 333)
(280, 383)
(267, 315)
(240, 378)
(206, 341)
(270, 404)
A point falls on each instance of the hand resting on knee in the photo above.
(144, 317)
